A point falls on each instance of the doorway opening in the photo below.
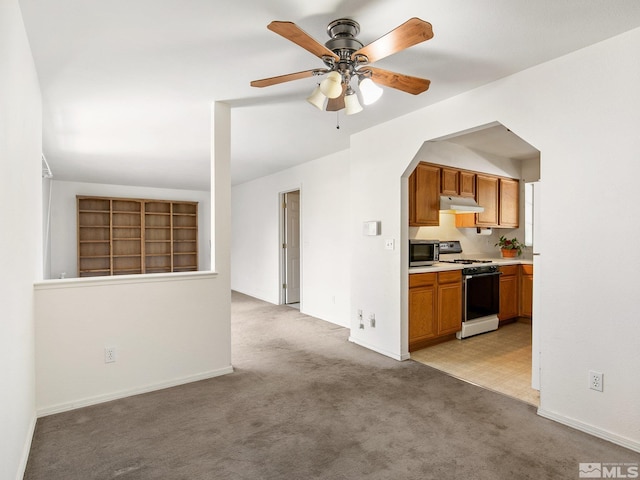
(505, 360)
(290, 248)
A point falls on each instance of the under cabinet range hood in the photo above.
(459, 205)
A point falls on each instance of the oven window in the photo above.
(482, 296)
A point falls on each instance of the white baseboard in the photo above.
(85, 402)
(26, 449)
(395, 356)
(590, 429)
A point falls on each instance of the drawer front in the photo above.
(422, 279)
(509, 269)
(527, 269)
(450, 277)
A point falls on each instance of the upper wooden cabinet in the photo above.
(450, 181)
(500, 198)
(487, 197)
(424, 196)
(467, 184)
(498, 195)
(509, 202)
(459, 183)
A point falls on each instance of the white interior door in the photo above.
(292, 247)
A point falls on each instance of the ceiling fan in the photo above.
(346, 58)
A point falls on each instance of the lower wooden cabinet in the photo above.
(449, 302)
(435, 306)
(526, 291)
(435, 302)
(516, 292)
(508, 292)
(422, 307)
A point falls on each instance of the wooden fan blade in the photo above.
(292, 32)
(410, 33)
(335, 104)
(267, 82)
(413, 85)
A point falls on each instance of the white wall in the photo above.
(20, 237)
(324, 221)
(161, 325)
(64, 241)
(581, 111)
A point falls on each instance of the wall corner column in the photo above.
(221, 189)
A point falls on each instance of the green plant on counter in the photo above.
(513, 244)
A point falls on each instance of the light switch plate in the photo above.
(371, 228)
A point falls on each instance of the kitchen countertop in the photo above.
(443, 267)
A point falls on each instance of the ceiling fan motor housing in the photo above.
(343, 43)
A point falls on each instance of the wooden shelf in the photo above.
(120, 236)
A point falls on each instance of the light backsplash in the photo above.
(473, 244)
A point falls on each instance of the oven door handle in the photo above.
(467, 277)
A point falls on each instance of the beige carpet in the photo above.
(499, 360)
(304, 403)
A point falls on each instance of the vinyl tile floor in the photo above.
(499, 360)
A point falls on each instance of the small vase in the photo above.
(509, 253)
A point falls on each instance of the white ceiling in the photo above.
(127, 84)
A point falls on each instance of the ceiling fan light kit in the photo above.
(351, 103)
(370, 92)
(331, 87)
(317, 98)
(346, 58)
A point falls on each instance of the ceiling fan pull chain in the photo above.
(338, 120)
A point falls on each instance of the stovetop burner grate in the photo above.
(464, 261)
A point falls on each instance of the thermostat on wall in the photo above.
(371, 228)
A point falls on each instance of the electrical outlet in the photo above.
(109, 354)
(360, 319)
(372, 320)
(596, 380)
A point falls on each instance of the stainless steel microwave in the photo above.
(423, 253)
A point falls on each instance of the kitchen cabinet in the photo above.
(467, 184)
(424, 196)
(516, 292)
(498, 195)
(509, 300)
(509, 204)
(435, 307)
(450, 181)
(500, 198)
(487, 191)
(449, 302)
(457, 183)
(422, 307)
(526, 291)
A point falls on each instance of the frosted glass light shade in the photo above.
(317, 98)
(351, 103)
(331, 87)
(370, 91)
